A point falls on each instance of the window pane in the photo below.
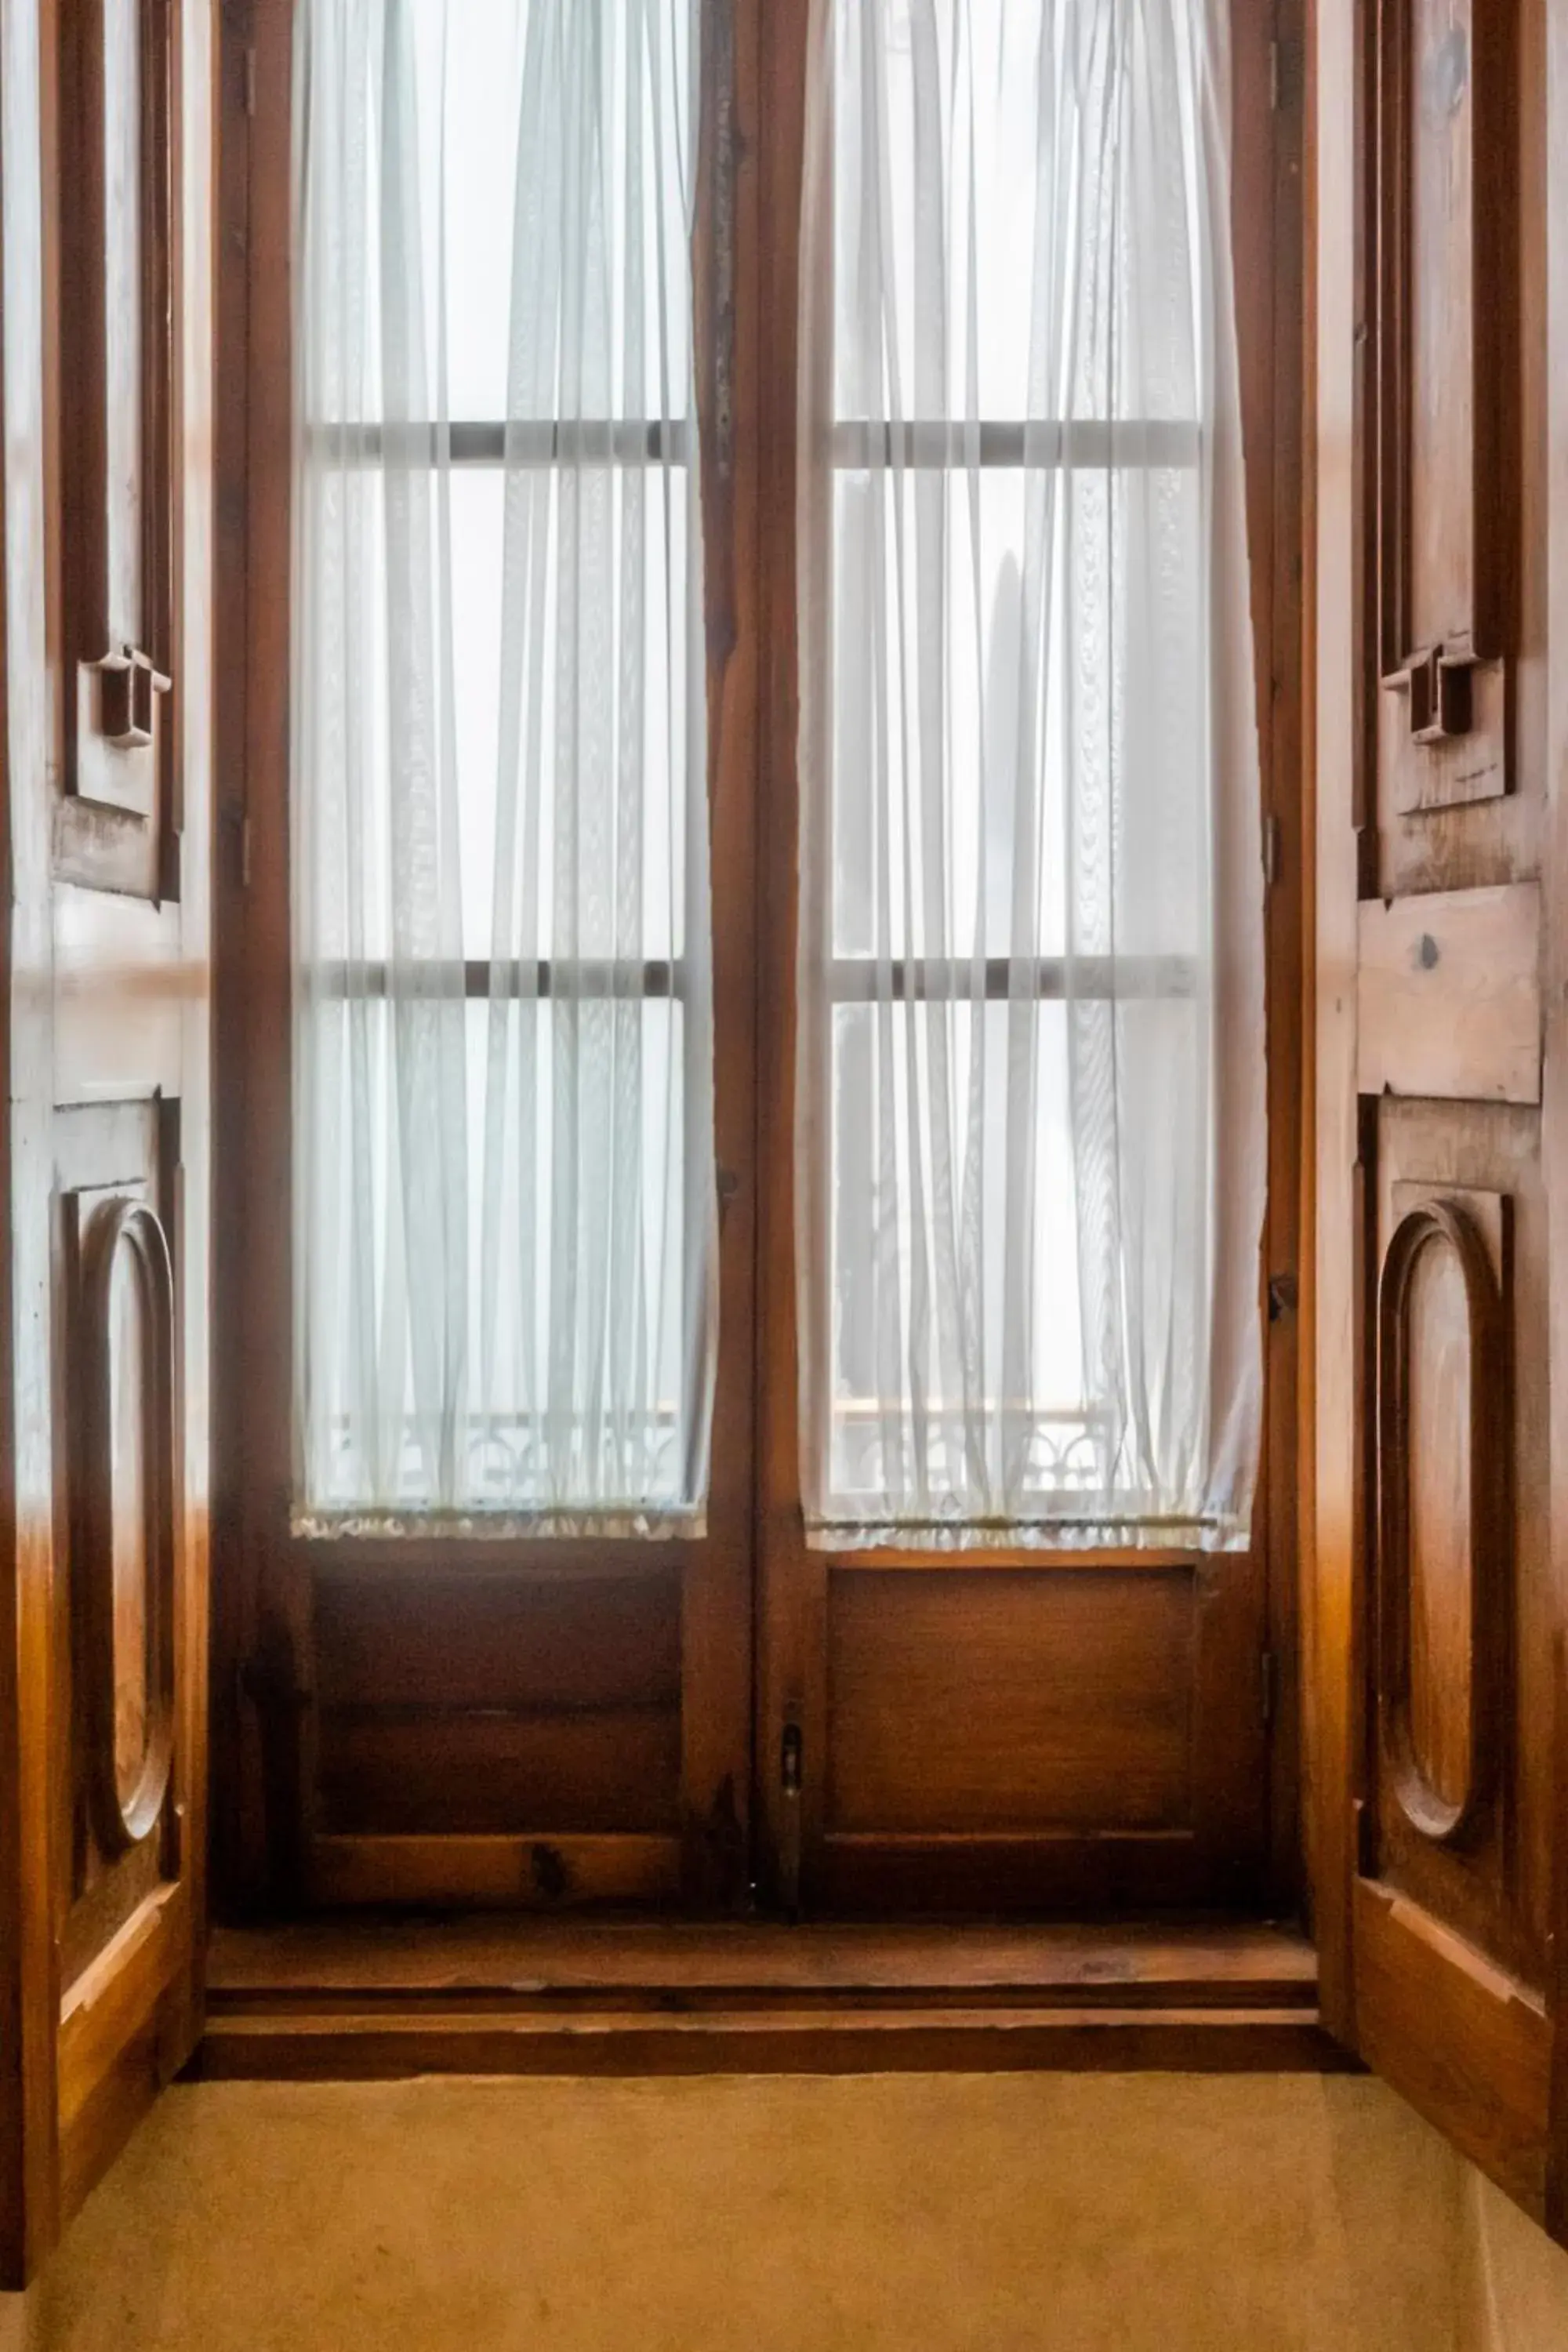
(1015, 711)
(505, 1213)
(466, 544)
(462, 72)
(979, 119)
(1031, 1083)
(570, 1384)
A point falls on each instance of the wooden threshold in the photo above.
(347, 2000)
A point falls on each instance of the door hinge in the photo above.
(250, 82)
(791, 1768)
(1273, 851)
(1268, 1687)
(1274, 77)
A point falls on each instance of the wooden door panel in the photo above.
(1065, 1735)
(1437, 1605)
(535, 1729)
(1009, 1702)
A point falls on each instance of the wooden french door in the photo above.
(1087, 1733)
(107, 119)
(491, 1723)
(707, 1725)
(1442, 1377)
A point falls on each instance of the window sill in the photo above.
(364, 1998)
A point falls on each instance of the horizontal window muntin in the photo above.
(859, 444)
(998, 979)
(600, 979)
(493, 442)
(944, 445)
(852, 980)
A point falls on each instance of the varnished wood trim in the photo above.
(360, 1961)
(368, 2048)
(344, 2001)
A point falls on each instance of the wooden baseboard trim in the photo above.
(363, 2047)
(357, 1999)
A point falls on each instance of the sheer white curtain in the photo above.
(505, 1217)
(1031, 1138)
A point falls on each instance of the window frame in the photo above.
(754, 1595)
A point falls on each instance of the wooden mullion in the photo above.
(792, 1584)
(716, 1592)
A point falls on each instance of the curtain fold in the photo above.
(504, 1206)
(1031, 1138)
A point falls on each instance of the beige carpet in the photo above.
(782, 2215)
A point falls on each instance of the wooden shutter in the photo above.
(1442, 1266)
(109, 694)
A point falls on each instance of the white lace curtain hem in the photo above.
(499, 1527)
(1095, 1532)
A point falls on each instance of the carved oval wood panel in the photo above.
(1442, 1439)
(1438, 1375)
(125, 1536)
